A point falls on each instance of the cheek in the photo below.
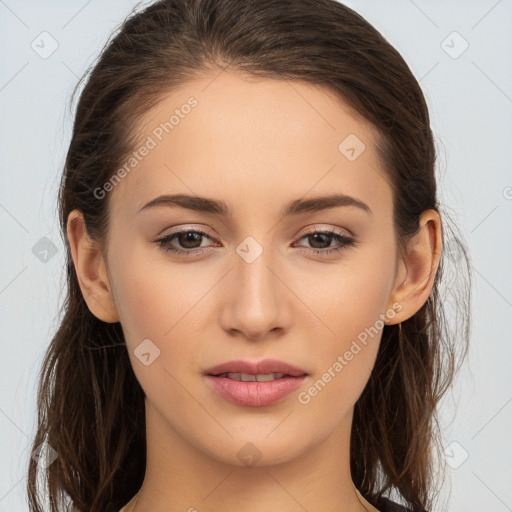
(352, 307)
(350, 296)
(153, 301)
(159, 301)
(151, 295)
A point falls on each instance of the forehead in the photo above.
(239, 137)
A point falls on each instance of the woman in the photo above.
(254, 247)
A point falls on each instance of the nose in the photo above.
(255, 298)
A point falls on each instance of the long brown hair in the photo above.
(90, 405)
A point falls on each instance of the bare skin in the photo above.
(256, 144)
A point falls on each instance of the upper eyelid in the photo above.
(333, 231)
(188, 230)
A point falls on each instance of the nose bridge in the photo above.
(252, 268)
(254, 304)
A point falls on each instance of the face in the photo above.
(253, 282)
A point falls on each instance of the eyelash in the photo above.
(344, 240)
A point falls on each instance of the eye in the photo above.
(190, 240)
(323, 237)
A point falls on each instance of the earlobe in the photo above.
(420, 263)
(90, 269)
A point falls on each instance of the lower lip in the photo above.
(254, 394)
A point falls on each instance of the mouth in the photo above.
(262, 371)
(249, 377)
(255, 384)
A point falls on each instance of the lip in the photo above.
(257, 367)
(255, 394)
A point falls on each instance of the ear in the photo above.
(418, 268)
(90, 269)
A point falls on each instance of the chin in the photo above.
(258, 450)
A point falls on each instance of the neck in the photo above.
(181, 477)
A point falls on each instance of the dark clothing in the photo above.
(386, 505)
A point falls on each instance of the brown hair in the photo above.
(90, 405)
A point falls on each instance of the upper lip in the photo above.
(256, 368)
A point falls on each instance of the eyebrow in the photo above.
(217, 207)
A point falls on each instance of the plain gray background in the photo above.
(46, 46)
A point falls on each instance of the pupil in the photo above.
(315, 238)
(189, 238)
